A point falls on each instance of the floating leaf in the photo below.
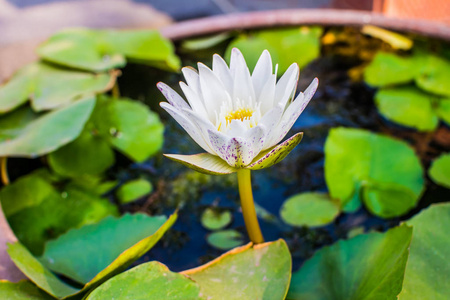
(251, 272)
(151, 280)
(434, 75)
(428, 269)
(440, 170)
(133, 190)
(50, 87)
(46, 280)
(101, 50)
(368, 266)
(21, 290)
(87, 155)
(205, 42)
(82, 253)
(389, 69)
(37, 211)
(384, 172)
(225, 239)
(408, 106)
(396, 40)
(213, 219)
(443, 110)
(25, 134)
(129, 126)
(309, 209)
(38, 273)
(286, 46)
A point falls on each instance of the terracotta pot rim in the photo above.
(291, 17)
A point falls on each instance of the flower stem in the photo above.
(4, 171)
(248, 206)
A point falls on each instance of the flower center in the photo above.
(239, 114)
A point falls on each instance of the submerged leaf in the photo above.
(25, 134)
(151, 280)
(133, 190)
(440, 170)
(309, 209)
(225, 239)
(212, 219)
(250, 272)
(101, 50)
(368, 266)
(383, 172)
(428, 268)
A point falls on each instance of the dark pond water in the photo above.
(338, 102)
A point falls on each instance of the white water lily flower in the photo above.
(237, 117)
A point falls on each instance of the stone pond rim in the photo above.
(253, 20)
(291, 17)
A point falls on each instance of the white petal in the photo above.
(220, 68)
(192, 79)
(270, 121)
(242, 83)
(236, 59)
(262, 72)
(219, 143)
(293, 112)
(192, 129)
(267, 95)
(236, 128)
(287, 84)
(202, 123)
(172, 96)
(213, 91)
(194, 99)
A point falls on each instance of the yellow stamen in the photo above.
(239, 114)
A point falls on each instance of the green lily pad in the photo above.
(101, 50)
(50, 87)
(382, 172)
(21, 290)
(151, 280)
(388, 69)
(87, 155)
(434, 75)
(212, 219)
(443, 110)
(286, 46)
(129, 126)
(25, 134)
(133, 190)
(408, 106)
(440, 170)
(251, 272)
(225, 239)
(38, 212)
(368, 266)
(309, 209)
(46, 280)
(82, 253)
(428, 269)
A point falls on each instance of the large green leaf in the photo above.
(434, 75)
(148, 281)
(286, 46)
(38, 273)
(21, 290)
(368, 266)
(381, 171)
(443, 110)
(50, 87)
(388, 69)
(89, 154)
(408, 106)
(129, 126)
(101, 50)
(37, 212)
(428, 268)
(25, 134)
(309, 209)
(46, 280)
(82, 253)
(133, 190)
(250, 272)
(440, 170)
